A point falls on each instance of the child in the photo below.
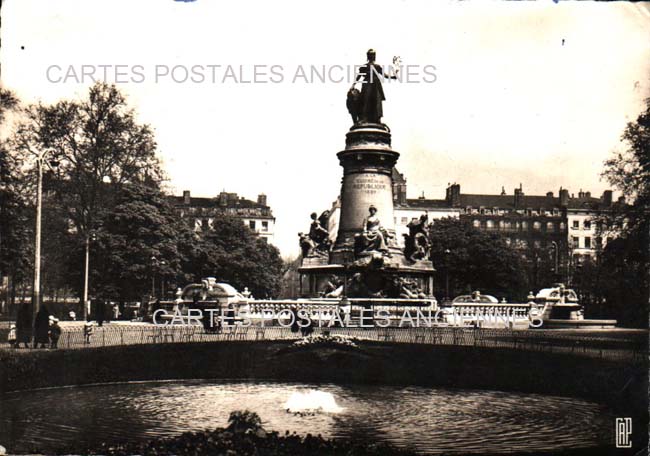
(88, 331)
(11, 338)
(55, 333)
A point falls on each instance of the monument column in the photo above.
(367, 162)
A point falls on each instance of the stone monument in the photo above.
(366, 253)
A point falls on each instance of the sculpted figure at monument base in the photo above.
(374, 238)
(416, 243)
(317, 243)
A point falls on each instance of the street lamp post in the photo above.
(162, 280)
(86, 303)
(90, 236)
(36, 292)
(154, 262)
(447, 252)
(556, 250)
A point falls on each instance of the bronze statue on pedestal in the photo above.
(365, 106)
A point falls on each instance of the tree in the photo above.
(232, 253)
(140, 241)
(473, 259)
(629, 171)
(625, 261)
(16, 239)
(90, 149)
(90, 142)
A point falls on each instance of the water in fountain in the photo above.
(312, 401)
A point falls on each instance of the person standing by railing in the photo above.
(88, 331)
(11, 337)
(55, 333)
(42, 328)
(23, 326)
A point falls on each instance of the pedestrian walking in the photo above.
(55, 333)
(88, 331)
(11, 337)
(42, 328)
(23, 326)
(294, 320)
(100, 311)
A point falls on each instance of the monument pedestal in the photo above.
(367, 162)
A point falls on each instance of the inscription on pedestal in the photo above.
(368, 184)
(358, 193)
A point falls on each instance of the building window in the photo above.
(537, 244)
(550, 227)
(476, 223)
(524, 226)
(405, 220)
(587, 243)
(576, 224)
(489, 224)
(599, 242)
(587, 224)
(265, 226)
(562, 226)
(198, 224)
(576, 242)
(537, 226)
(251, 224)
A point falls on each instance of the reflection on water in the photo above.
(429, 420)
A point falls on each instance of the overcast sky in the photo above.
(536, 93)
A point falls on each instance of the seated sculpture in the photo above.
(408, 289)
(374, 237)
(333, 288)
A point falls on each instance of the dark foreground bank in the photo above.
(527, 371)
(244, 436)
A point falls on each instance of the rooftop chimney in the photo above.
(581, 194)
(503, 190)
(607, 198)
(223, 199)
(549, 194)
(453, 195)
(186, 197)
(587, 194)
(261, 199)
(519, 197)
(564, 197)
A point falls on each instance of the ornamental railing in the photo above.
(613, 348)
